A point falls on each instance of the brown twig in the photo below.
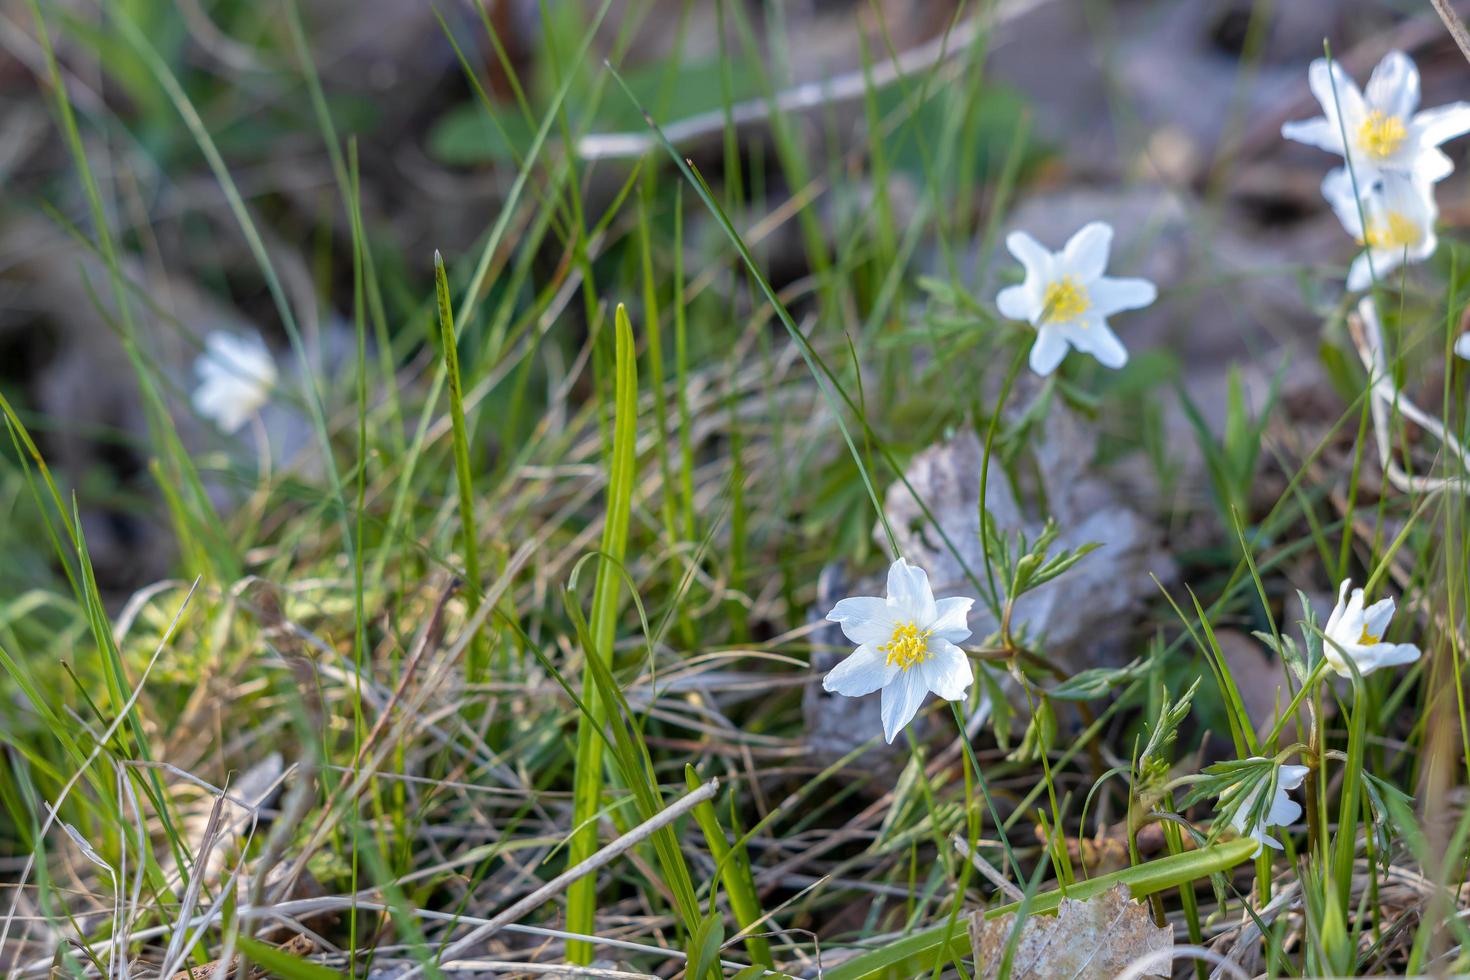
(1454, 25)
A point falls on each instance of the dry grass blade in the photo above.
(604, 856)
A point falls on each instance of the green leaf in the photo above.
(279, 963)
(1091, 684)
(1041, 731)
(705, 948)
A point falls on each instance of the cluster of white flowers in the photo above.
(1384, 195)
(907, 642)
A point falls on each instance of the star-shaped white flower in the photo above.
(1066, 297)
(1384, 131)
(1355, 633)
(1283, 811)
(1462, 346)
(236, 375)
(1400, 213)
(906, 646)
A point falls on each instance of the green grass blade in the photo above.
(587, 785)
(478, 661)
(735, 874)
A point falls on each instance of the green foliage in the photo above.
(279, 963)
(1024, 563)
(1230, 458)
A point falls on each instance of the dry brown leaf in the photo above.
(1091, 940)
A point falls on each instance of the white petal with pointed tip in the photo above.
(901, 700)
(864, 619)
(952, 619)
(1114, 295)
(861, 672)
(1086, 253)
(1047, 351)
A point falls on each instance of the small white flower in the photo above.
(1384, 132)
(1462, 346)
(906, 646)
(1355, 633)
(1066, 297)
(1283, 811)
(236, 375)
(1400, 215)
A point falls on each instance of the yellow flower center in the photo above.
(1064, 301)
(1380, 135)
(909, 646)
(1394, 231)
(1367, 639)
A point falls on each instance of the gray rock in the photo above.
(1079, 618)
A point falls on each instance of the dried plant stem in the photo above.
(603, 857)
(1453, 24)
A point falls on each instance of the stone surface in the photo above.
(1092, 940)
(1078, 618)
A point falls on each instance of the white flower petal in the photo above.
(1340, 608)
(1442, 123)
(1319, 132)
(1333, 88)
(1018, 303)
(1431, 165)
(1032, 255)
(909, 597)
(1462, 346)
(1379, 655)
(864, 619)
(1048, 350)
(1393, 88)
(952, 619)
(1111, 295)
(236, 375)
(1290, 777)
(1337, 188)
(861, 672)
(1365, 267)
(1086, 253)
(947, 672)
(1098, 339)
(1377, 617)
(901, 701)
(1284, 811)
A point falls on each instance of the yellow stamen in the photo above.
(1367, 639)
(909, 646)
(1395, 232)
(1380, 135)
(1065, 301)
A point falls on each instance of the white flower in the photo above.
(1066, 297)
(1356, 634)
(236, 375)
(1282, 812)
(906, 646)
(1400, 215)
(1384, 132)
(1462, 346)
